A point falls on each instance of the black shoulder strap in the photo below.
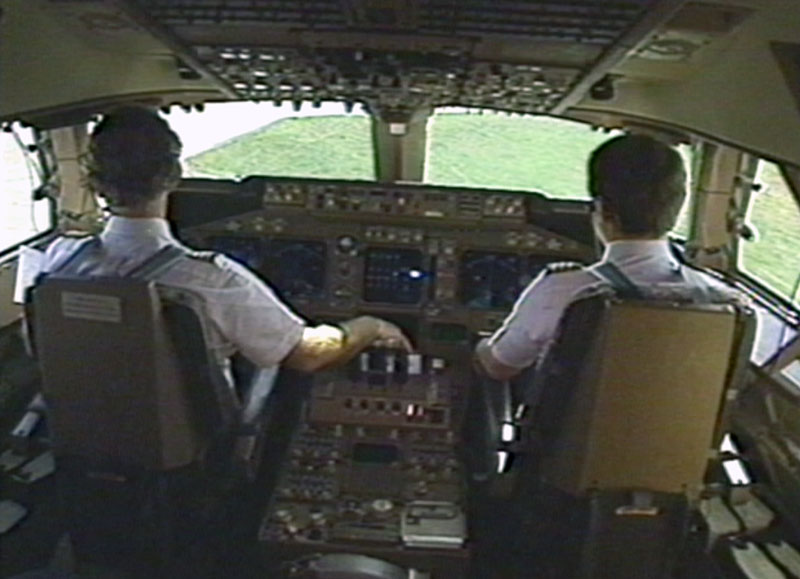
(71, 263)
(161, 260)
(622, 285)
(147, 270)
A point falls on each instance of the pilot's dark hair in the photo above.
(639, 180)
(133, 157)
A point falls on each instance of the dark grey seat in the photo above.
(146, 428)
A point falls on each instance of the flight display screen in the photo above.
(295, 267)
(393, 276)
(370, 453)
(245, 250)
(489, 280)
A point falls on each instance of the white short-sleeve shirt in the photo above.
(530, 329)
(241, 312)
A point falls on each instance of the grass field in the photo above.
(529, 153)
(479, 151)
(775, 257)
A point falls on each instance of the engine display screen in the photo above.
(245, 250)
(490, 280)
(375, 453)
(393, 276)
(296, 268)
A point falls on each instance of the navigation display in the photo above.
(489, 280)
(393, 276)
(245, 250)
(295, 267)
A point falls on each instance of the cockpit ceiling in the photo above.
(396, 55)
(584, 20)
(698, 66)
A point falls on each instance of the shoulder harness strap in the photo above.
(148, 270)
(613, 276)
(161, 260)
(71, 263)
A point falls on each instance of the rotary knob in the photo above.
(382, 505)
(346, 244)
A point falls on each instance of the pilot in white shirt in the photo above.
(133, 163)
(244, 313)
(638, 186)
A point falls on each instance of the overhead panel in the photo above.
(523, 56)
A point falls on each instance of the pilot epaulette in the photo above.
(76, 234)
(207, 256)
(562, 267)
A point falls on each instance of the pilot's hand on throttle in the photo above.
(390, 336)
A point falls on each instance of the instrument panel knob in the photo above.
(382, 505)
(346, 243)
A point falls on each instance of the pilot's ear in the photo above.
(176, 172)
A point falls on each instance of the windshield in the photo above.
(511, 152)
(235, 140)
(464, 148)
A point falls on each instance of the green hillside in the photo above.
(474, 150)
(537, 153)
(776, 217)
(336, 147)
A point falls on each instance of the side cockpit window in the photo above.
(21, 216)
(772, 258)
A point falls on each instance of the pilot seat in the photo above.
(149, 435)
(612, 434)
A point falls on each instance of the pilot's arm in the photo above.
(260, 326)
(324, 346)
(529, 329)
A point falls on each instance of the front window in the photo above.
(541, 154)
(21, 217)
(532, 153)
(236, 140)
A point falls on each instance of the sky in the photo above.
(220, 122)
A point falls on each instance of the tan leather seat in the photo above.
(638, 388)
(622, 420)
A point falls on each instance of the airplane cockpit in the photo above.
(440, 170)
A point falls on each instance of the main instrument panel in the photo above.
(449, 262)
(375, 466)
